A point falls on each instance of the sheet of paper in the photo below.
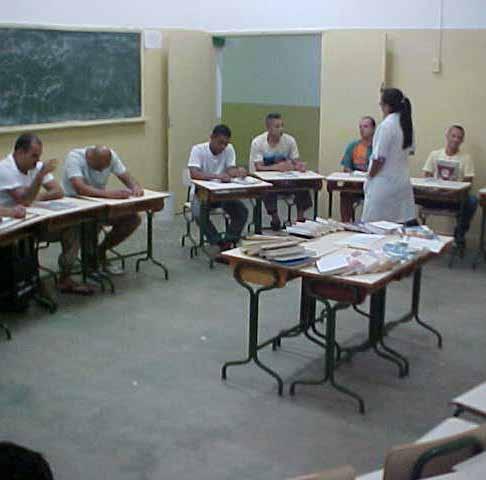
(55, 206)
(433, 245)
(363, 241)
(384, 225)
(7, 222)
(152, 39)
(332, 263)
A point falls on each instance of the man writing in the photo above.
(86, 172)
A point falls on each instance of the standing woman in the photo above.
(388, 191)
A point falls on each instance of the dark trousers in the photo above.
(463, 224)
(303, 201)
(237, 212)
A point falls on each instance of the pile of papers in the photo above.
(378, 228)
(245, 180)
(314, 229)
(284, 250)
(356, 263)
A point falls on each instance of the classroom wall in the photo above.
(455, 95)
(278, 73)
(252, 15)
(142, 146)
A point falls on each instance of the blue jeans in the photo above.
(237, 212)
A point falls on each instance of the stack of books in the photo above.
(314, 229)
(287, 251)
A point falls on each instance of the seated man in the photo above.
(216, 160)
(356, 157)
(277, 151)
(450, 164)
(22, 175)
(86, 172)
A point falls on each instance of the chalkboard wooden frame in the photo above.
(90, 122)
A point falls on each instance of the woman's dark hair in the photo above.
(399, 103)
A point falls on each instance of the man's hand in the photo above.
(49, 166)
(300, 166)
(119, 194)
(137, 191)
(225, 178)
(284, 166)
(18, 211)
(240, 172)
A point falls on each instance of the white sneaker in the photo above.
(112, 269)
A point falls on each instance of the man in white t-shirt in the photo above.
(86, 172)
(450, 163)
(22, 175)
(216, 160)
(278, 151)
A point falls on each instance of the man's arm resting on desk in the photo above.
(53, 192)
(14, 212)
(198, 174)
(26, 195)
(281, 166)
(82, 188)
(131, 184)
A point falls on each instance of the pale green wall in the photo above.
(273, 73)
(247, 121)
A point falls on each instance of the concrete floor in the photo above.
(128, 386)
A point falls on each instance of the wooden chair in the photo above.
(436, 457)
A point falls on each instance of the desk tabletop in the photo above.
(147, 195)
(329, 243)
(62, 207)
(428, 183)
(293, 175)
(219, 187)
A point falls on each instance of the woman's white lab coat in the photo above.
(389, 194)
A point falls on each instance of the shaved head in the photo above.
(98, 157)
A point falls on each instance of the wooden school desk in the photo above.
(149, 203)
(209, 192)
(337, 293)
(445, 191)
(284, 182)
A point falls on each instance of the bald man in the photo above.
(86, 172)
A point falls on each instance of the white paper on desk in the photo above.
(245, 180)
(330, 264)
(7, 222)
(473, 466)
(433, 245)
(55, 206)
(363, 241)
(384, 225)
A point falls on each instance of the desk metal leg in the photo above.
(329, 211)
(149, 254)
(414, 311)
(257, 216)
(8, 334)
(253, 346)
(330, 361)
(89, 257)
(316, 203)
(376, 330)
(481, 251)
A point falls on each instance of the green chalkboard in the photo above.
(58, 75)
